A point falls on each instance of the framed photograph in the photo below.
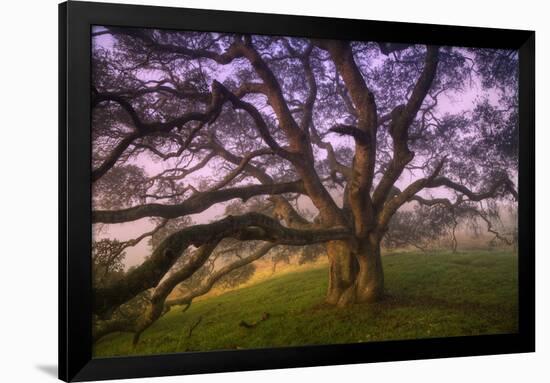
(249, 191)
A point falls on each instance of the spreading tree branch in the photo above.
(159, 305)
(195, 204)
(396, 202)
(251, 226)
(504, 182)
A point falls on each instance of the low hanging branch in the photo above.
(159, 305)
(156, 307)
(207, 286)
(251, 226)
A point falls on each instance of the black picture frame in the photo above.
(75, 289)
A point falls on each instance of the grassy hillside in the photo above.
(429, 295)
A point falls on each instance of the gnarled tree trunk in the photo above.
(355, 275)
(343, 269)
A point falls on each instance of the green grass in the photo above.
(428, 295)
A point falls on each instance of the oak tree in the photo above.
(183, 122)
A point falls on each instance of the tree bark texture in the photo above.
(355, 272)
